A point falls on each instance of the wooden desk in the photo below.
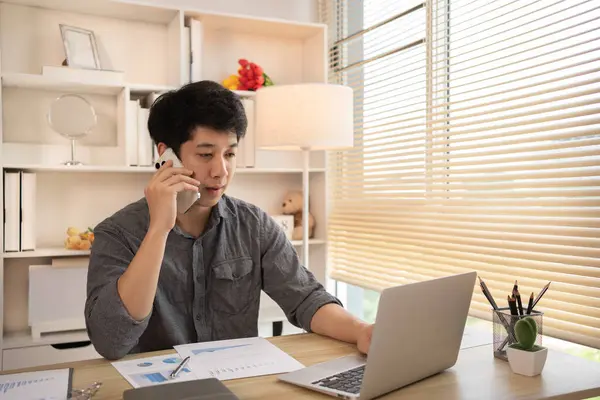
(477, 375)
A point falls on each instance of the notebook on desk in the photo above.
(200, 389)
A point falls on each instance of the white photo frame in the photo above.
(80, 47)
(286, 223)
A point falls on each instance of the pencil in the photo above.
(488, 294)
(517, 295)
(539, 296)
(530, 305)
(512, 305)
(515, 286)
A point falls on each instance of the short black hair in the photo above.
(175, 114)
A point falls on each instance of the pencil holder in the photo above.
(504, 334)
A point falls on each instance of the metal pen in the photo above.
(177, 370)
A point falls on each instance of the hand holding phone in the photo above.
(171, 190)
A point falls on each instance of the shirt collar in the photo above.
(222, 210)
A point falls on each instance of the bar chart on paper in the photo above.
(53, 384)
(237, 358)
(152, 370)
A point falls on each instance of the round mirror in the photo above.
(73, 117)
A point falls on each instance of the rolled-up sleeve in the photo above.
(286, 280)
(111, 329)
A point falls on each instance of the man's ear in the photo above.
(161, 148)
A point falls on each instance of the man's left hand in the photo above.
(363, 341)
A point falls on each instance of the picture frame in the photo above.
(80, 46)
(286, 223)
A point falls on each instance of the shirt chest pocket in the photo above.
(234, 287)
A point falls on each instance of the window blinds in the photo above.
(477, 147)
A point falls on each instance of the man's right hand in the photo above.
(161, 194)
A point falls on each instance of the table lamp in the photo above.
(304, 117)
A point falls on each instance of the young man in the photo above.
(158, 278)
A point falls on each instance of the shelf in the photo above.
(42, 82)
(47, 252)
(79, 168)
(247, 25)
(114, 9)
(275, 170)
(126, 169)
(61, 252)
(244, 93)
(142, 88)
(310, 241)
(16, 340)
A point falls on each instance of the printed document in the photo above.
(153, 370)
(237, 358)
(47, 385)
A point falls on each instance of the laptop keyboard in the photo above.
(347, 381)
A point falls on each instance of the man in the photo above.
(158, 278)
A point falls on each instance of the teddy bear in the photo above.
(292, 205)
(77, 240)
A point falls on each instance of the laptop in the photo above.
(418, 333)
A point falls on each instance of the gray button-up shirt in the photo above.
(209, 287)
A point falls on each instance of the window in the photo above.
(477, 147)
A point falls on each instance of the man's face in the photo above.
(211, 156)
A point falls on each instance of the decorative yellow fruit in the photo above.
(72, 231)
(84, 245)
(73, 242)
(232, 82)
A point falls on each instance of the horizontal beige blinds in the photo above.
(477, 132)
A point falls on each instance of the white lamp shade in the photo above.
(314, 116)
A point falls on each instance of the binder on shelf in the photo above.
(12, 199)
(196, 38)
(145, 145)
(28, 199)
(246, 149)
(131, 132)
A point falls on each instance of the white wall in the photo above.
(295, 10)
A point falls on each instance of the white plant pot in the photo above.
(529, 363)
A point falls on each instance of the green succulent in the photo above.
(526, 334)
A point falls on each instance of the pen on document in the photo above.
(177, 370)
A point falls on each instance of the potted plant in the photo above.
(525, 357)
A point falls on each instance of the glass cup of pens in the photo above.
(504, 323)
(505, 318)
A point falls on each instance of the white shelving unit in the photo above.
(148, 44)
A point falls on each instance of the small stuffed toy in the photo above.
(292, 205)
(76, 240)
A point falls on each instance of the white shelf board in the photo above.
(126, 169)
(41, 82)
(143, 88)
(46, 252)
(275, 170)
(103, 8)
(62, 252)
(310, 241)
(245, 93)
(79, 168)
(243, 24)
(14, 340)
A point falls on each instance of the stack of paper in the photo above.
(225, 359)
(53, 384)
(238, 358)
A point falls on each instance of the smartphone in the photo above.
(185, 198)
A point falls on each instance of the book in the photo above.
(12, 200)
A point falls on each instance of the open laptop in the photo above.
(418, 333)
